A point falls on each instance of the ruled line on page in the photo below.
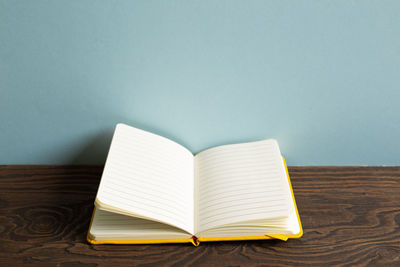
(240, 182)
(107, 222)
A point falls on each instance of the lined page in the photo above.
(238, 183)
(150, 176)
(108, 225)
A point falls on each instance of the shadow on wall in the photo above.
(94, 151)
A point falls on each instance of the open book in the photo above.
(154, 190)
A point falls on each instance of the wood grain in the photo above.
(350, 215)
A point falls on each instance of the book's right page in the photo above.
(243, 190)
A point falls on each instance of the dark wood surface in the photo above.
(350, 216)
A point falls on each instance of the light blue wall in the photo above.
(322, 77)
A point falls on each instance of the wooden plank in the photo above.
(350, 215)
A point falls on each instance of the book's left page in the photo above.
(148, 176)
(108, 227)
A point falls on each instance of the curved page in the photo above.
(149, 176)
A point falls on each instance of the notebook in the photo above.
(154, 190)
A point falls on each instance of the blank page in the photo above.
(238, 183)
(150, 176)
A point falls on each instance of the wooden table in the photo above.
(350, 215)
